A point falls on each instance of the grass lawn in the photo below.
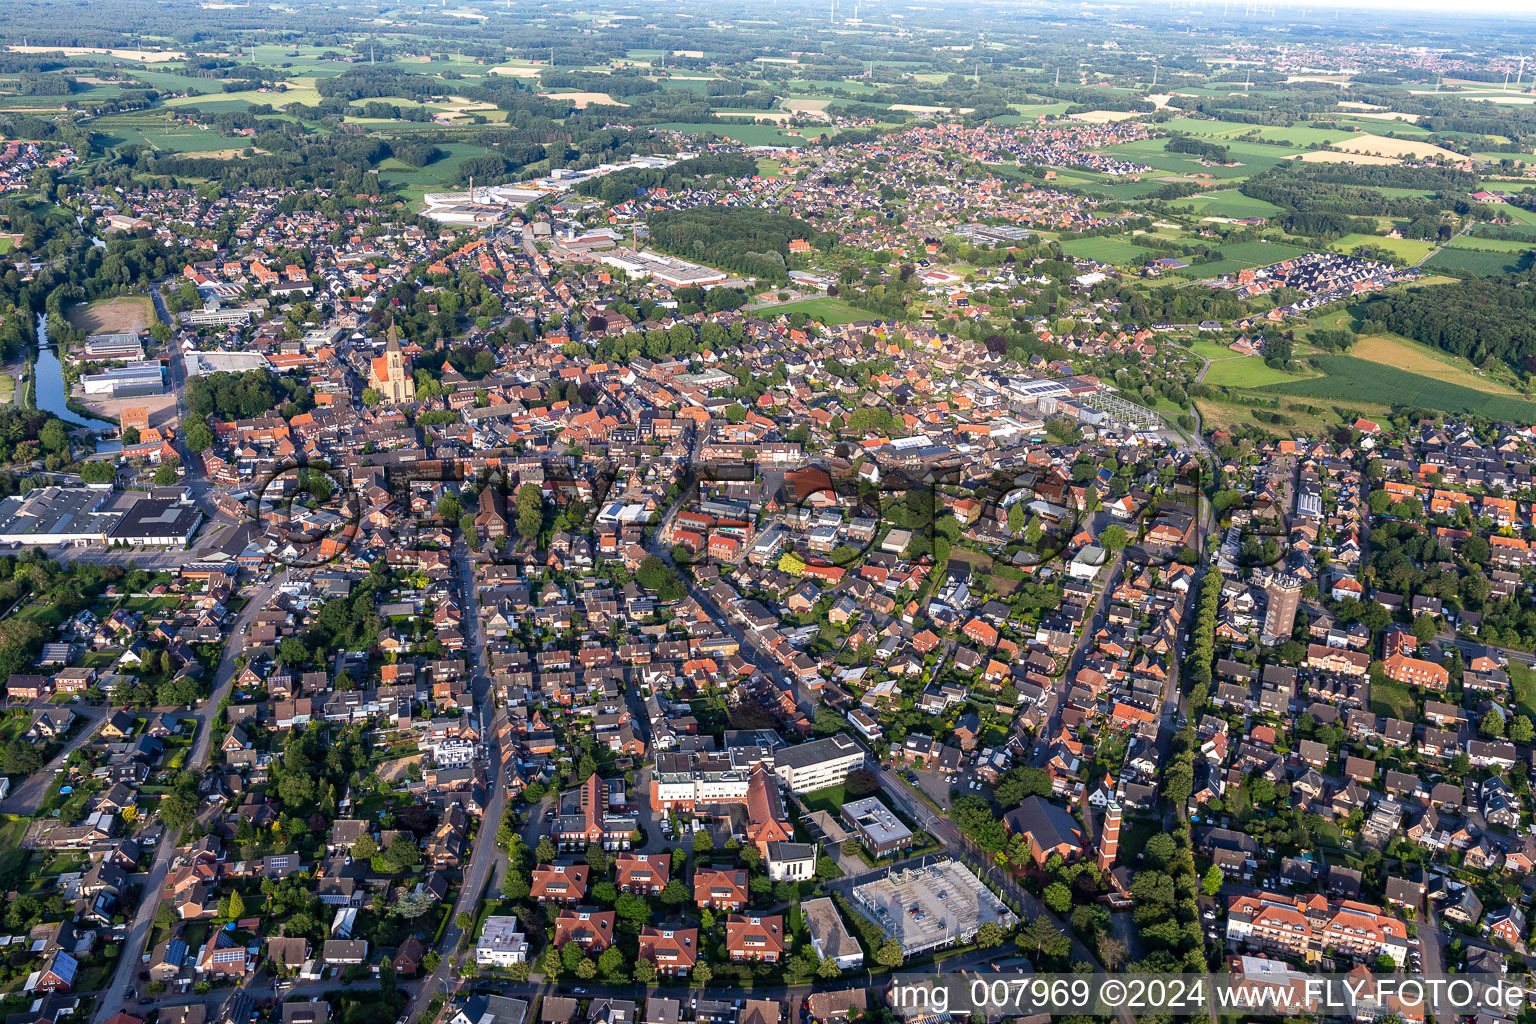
(1523, 681)
(830, 800)
(1227, 202)
(1410, 249)
(1212, 350)
(829, 311)
(104, 316)
(1394, 699)
(1303, 417)
(1106, 250)
(1245, 372)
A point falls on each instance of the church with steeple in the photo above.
(389, 375)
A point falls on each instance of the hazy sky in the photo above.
(1526, 8)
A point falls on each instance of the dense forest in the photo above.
(615, 188)
(735, 238)
(1481, 319)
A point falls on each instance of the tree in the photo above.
(529, 505)
(413, 905)
(989, 934)
(828, 970)
(545, 851)
(99, 472)
(1520, 730)
(611, 961)
(1058, 897)
(236, 905)
(703, 974)
(514, 887)
(703, 842)
(1492, 724)
(632, 908)
(1111, 952)
(464, 921)
(199, 437)
(1113, 538)
(1424, 627)
(645, 972)
(165, 473)
(550, 964)
(1212, 881)
(675, 893)
(889, 954)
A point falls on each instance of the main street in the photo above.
(485, 855)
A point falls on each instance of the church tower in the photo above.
(389, 377)
(1109, 837)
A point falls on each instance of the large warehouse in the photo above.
(50, 516)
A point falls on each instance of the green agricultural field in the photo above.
(1227, 203)
(1106, 250)
(163, 137)
(442, 173)
(1348, 378)
(1034, 110)
(167, 81)
(1505, 245)
(746, 134)
(829, 311)
(1476, 263)
(1252, 158)
(1242, 256)
(1410, 249)
(822, 86)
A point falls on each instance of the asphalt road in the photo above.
(484, 856)
(28, 797)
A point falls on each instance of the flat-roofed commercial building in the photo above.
(818, 764)
(882, 833)
(57, 515)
